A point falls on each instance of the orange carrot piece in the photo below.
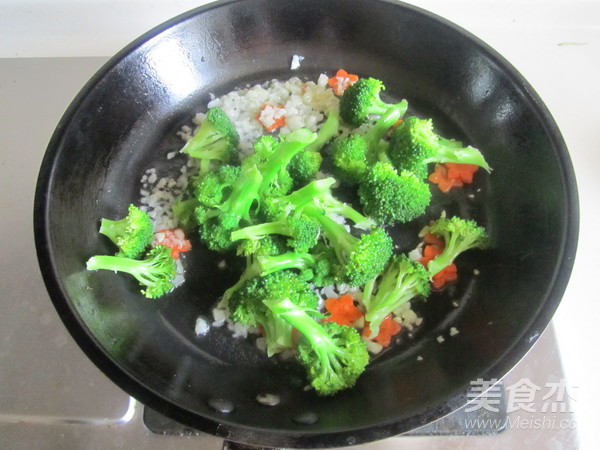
(340, 82)
(388, 329)
(445, 276)
(174, 239)
(430, 252)
(450, 175)
(462, 172)
(440, 177)
(434, 239)
(343, 310)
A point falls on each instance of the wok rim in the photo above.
(290, 438)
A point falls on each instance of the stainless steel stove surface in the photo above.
(52, 396)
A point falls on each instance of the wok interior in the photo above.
(125, 122)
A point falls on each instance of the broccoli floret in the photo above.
(333, 355)
(459, 235)
(301, 262)
(216, 140)
(304, 165)
(268, 245)
(216, 223)
(155, 272)
(276, 177)
(320, 267)
(362, 99)
(362, 258)
(354, 154)
(402, 280)
(132, 234)
(264, 147)
(350, 158)
(316, 193)
(414, 144)
(248, 305)
(251, 250)
(213, 187)
(390, 197)
(303, 232)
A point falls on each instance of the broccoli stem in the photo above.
(319, 192)
(380, 107)
(374, 136)
(360, 221)
(444, 259)
(368, 291)
(113, 228)
(244, 192)
(306, 195)
(261, 230)
(329, 129)
(393, 292)
(277, 332)
(144, 270)
(289, 146)
(252, 270)
(449, 152)
(289, 260)
(342, 241)
(304, 323)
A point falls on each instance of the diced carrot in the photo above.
(440, 177)
(450, 175)
(434, 239)
(271, 117)
(343, 310)
(340, 82)
(430, 252)
(446, 275)
(175, 239)
(387, 329)
(462, 172)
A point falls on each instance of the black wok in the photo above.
(124, 121)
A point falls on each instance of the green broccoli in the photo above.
(362, 99)
(213, 187)
(316, 193)
(354, 154)
(216, 222)
(390, 197)
(132, 234)
(251, 250)
(248, 305)
(304, 166)
(350, 157)
(402, 280)
(362, 257)
(155, 272)
(184, 211)
(333, 355)
(276, 177)
(215, 140)
(303, 232)
(459, 235)
(414, 144)
(320, 267)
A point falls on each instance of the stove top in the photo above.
(52, 396)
